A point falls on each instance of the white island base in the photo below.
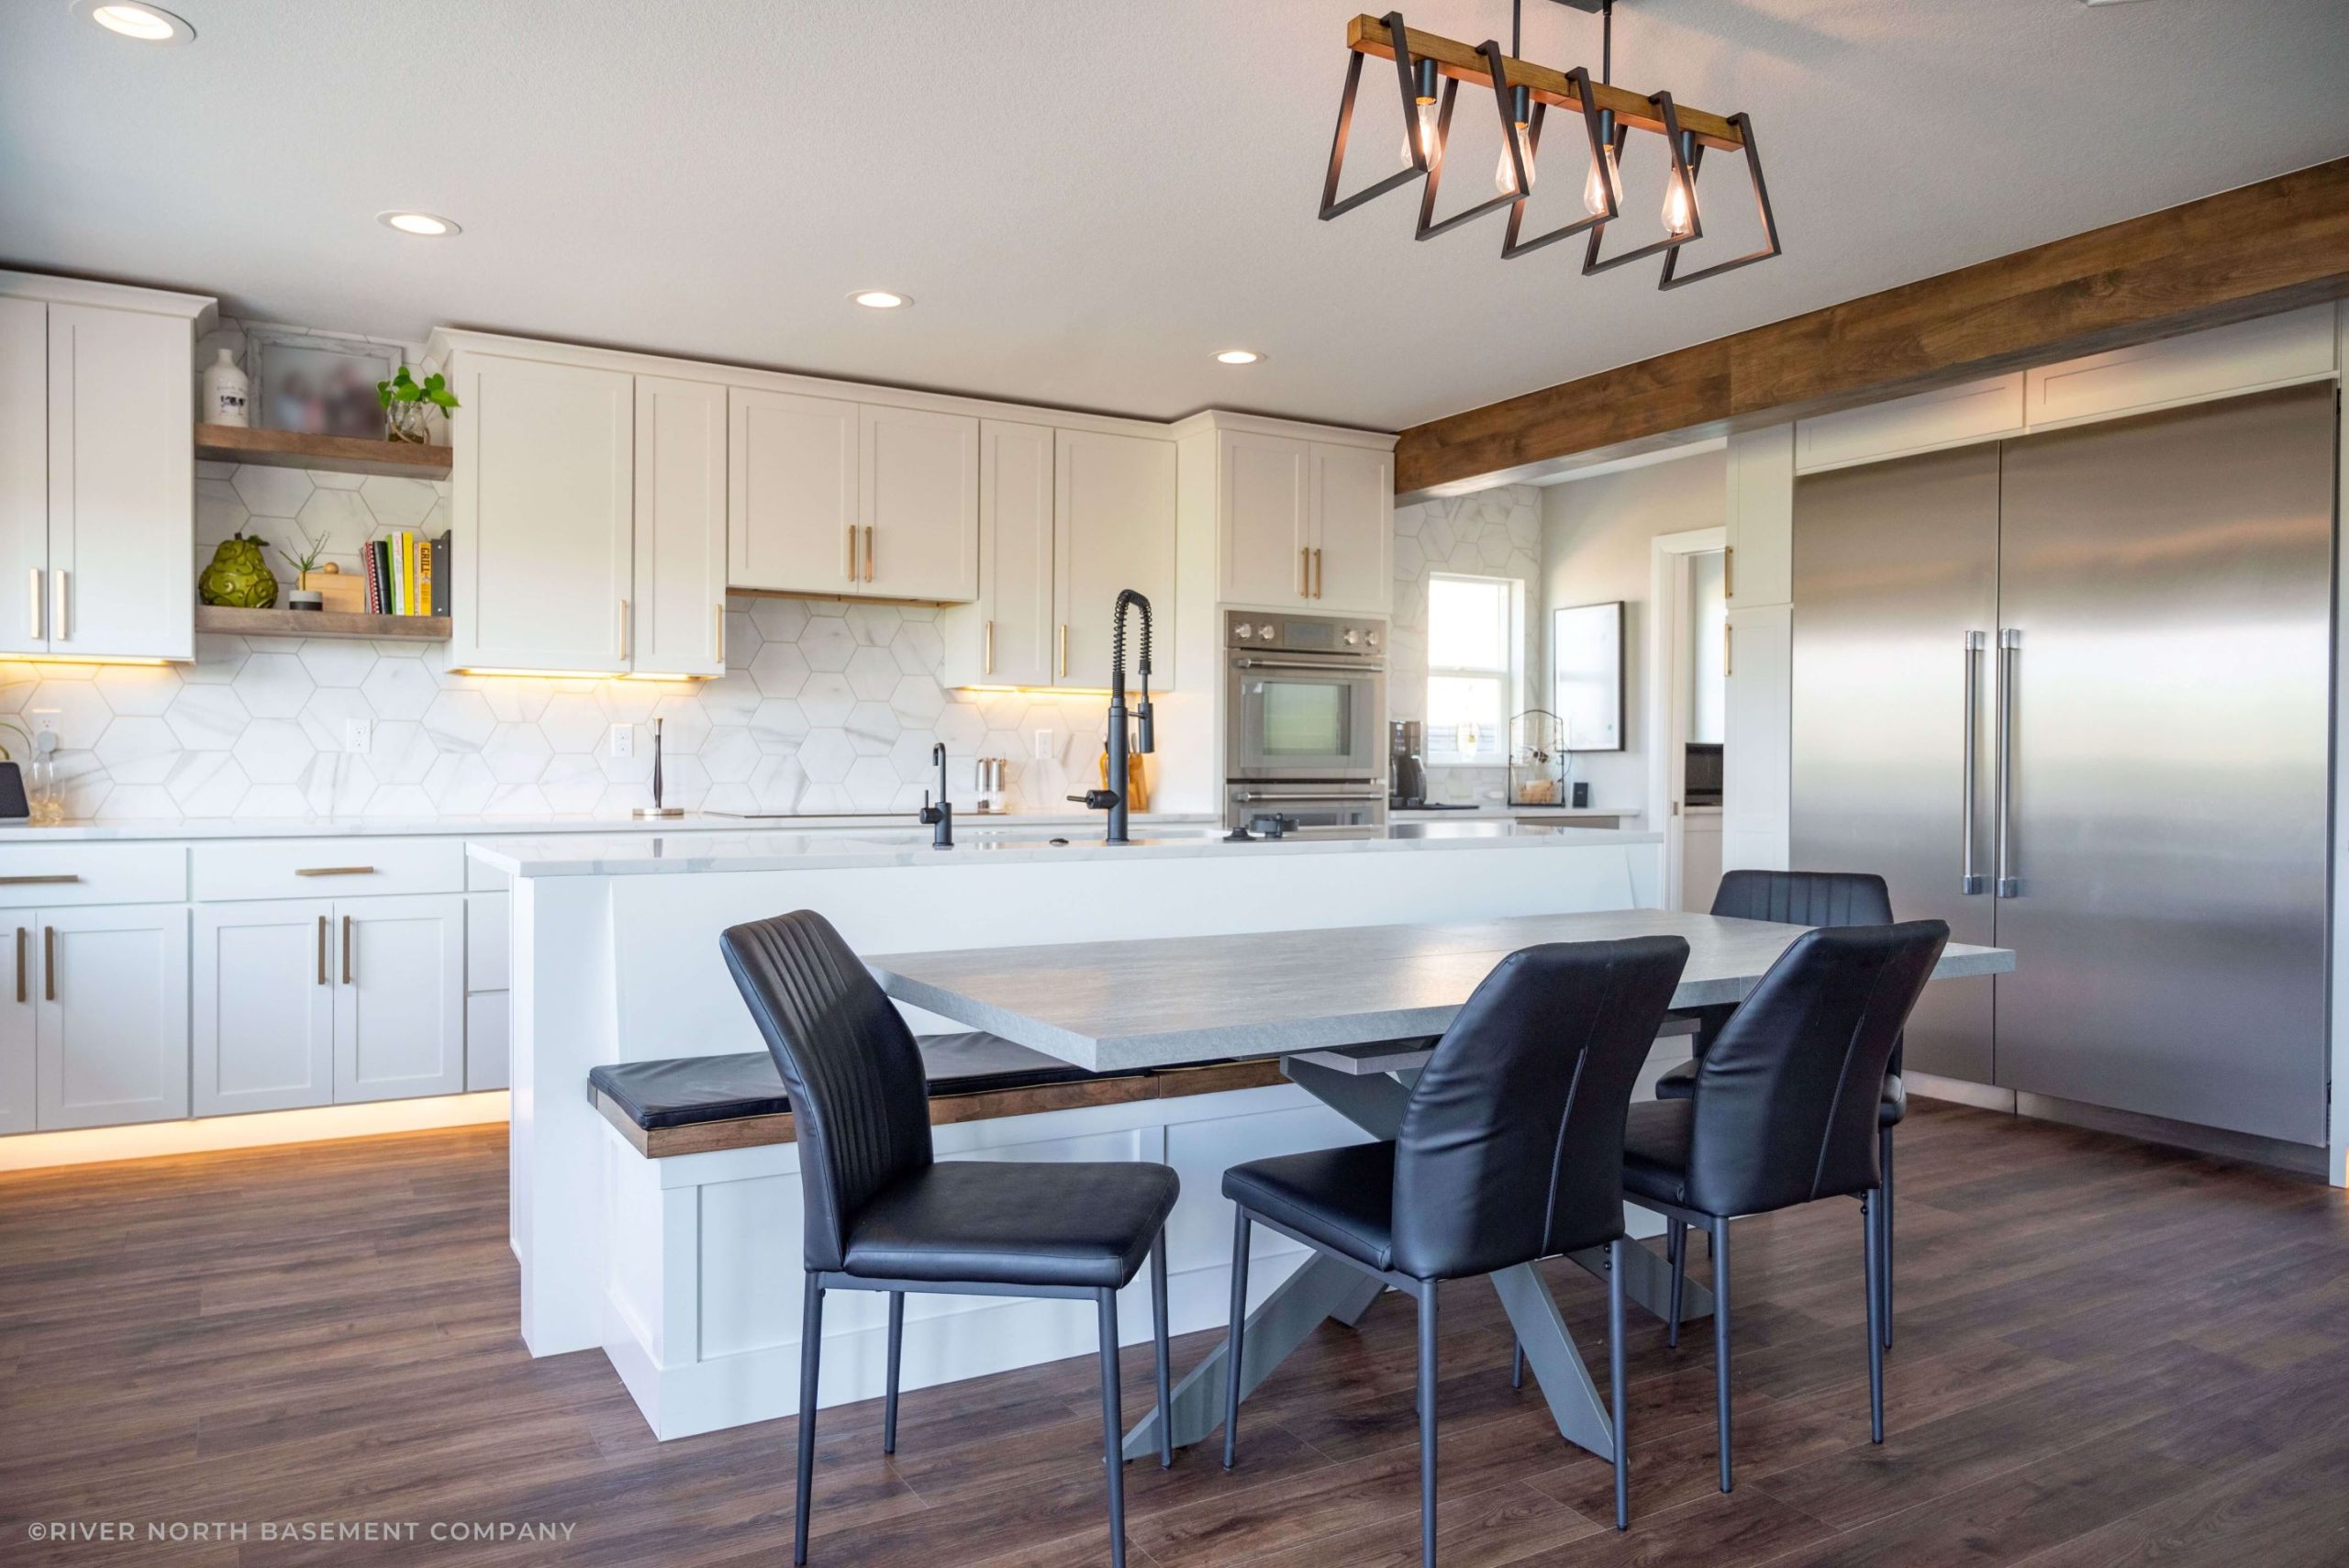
(686, 1269)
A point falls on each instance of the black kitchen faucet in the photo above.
(1113, 799)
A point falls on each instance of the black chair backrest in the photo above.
(859, 1104)
(1804, 898)
(1786, 1106)
(1511, 1147)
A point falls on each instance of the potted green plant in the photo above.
(304, 596)
(407, 401)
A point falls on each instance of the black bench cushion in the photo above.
(683, 1090)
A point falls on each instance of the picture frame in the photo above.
(1587, 675)
(318, 384)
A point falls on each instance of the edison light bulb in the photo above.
(1503, 176)
(1606, 179)
(1678, 218)
(1427, 123)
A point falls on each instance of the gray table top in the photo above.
(1170, 1001)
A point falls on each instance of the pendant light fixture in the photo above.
(1429, 73)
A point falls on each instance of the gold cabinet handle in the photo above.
(334, 871)
(625, 630)
(59, 600)
(42, 880)
(720, 622)
(49, 963)
(1729, 572)
(988, 660)
(20, 962)
(346, 950)
(1304, 572)
(851, 553)
(1064, 648)
(868, 552)
(37, 632)
(1728, 649)
(322, 949)
(1317, 571)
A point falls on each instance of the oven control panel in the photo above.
(1304, 634)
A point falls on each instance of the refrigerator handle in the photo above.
(1969, 878)
(2009, 644)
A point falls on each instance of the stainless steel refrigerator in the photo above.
(2072, 693)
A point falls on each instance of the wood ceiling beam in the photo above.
(2243, 253)
(1369, 34)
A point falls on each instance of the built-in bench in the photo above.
(694, 1104)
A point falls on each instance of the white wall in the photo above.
(1596, 536)
(1707, 648)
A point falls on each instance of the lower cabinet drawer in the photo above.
(68, 875)
(327, 867)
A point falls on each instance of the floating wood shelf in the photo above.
(343, 454)
(318, 623)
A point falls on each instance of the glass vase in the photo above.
(406, 422)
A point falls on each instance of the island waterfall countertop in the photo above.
(993, 844)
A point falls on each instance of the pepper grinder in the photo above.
(656, 809)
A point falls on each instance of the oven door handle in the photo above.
(1268, 797)
(1338, 666)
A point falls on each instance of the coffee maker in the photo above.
(1407, 774)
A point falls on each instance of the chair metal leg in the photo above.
(811, 1348)
(1675, 1247)
(896, 1346)
(1113, 1429)
(1231, 1344)
(1872, 1225)
(1719, 1233)
(1618, 1376)
(1159, 1349)
(1884, 1224)
(1427, 1425)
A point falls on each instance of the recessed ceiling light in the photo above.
(1238, 356)
(422, 223)
(145, 23)
(880, 299)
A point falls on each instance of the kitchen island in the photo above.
(681, 1268)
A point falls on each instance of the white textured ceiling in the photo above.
(1086, 197)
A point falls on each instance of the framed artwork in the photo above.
(318, 385)
(1587, 675)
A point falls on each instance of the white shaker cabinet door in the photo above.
(24, 476)
(17, 1052)
(917, 501)
(791, 493)
(1115, 511)
(1017, 640)
(111, 1015)
(121, 485)
(263, 993)
(399, 1024)
(1353, 530)
(680, 592)
(542, 531)
(1263, 502)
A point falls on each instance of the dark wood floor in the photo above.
(2108, 1353)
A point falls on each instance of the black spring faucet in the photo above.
(1113, 799)
(939, 818)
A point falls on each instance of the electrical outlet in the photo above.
(623, 740)
(44, 721)
(359, 736)
(1043, 745)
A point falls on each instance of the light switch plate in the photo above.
(623, 740)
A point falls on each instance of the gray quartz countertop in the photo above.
(993, 844)
(475, 827)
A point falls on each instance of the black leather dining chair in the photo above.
(1799, 898)
(882, 1214)
(1784, 1113)
(1509, 1150)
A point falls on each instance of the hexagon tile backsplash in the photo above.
(825, 707)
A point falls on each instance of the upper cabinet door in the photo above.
(918, 503)
(24, 481)
(1353, 529)
(111, 1015)
(121, 485)
(1265, 511)
(1114, 529)
(543, 528)
(791, 494)
(399, 1025)
(680, 600)
(1016, 604)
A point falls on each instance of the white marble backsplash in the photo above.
(1489, 533)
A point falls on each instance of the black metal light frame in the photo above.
(1429, 227)
(1761, 201)
(1406, 77)
(1593, 127)
(1680, 143)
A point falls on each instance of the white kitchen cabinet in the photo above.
(1757, 758)
(110, 1016)
(677, 607)
(264, 1006)
(17, 1025)
(793, 513)
(1113, 528)
(399, 1027)
(489, 1027)
(1929, 421)
(917, 504)
(1354, 529)
(2226, 361)
(24, 475)
(1264, 518)
(544, 529)
(1758, 567)
(1008, 637)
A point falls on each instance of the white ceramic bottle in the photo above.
(225, 389)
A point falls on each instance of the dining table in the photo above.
(1351, 1013)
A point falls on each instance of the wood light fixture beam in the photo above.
(1465, 62)
(2247, 252)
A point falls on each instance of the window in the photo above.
(1472, 667)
